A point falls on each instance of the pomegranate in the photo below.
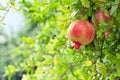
(100, 15)
(81, 33)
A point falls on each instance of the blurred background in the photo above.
(11, 30)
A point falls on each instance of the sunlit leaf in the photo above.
(114, 7)
(87, 63)
(86, 3)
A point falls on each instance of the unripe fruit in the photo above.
(81, 33)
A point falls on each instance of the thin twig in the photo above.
(6, 13)
(95, 67)
(101, 53)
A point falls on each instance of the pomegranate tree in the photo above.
(81, 33)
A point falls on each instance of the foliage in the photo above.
(48, 54)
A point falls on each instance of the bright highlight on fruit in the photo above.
(81, 33)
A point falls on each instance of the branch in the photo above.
(95, 76)
(101, 53)
(6, 13)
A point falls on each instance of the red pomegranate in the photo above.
(81, 33)
(100, 15)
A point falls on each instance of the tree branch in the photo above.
(95, 76)
(5, 14)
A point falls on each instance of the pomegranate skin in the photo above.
(81, 32)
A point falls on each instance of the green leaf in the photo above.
(85, 3)
(118, 46)
(85, 17)
(87, 63)
(2, 8)
(101, 68)
(106, 12)
(114, 8)
(10, 70)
